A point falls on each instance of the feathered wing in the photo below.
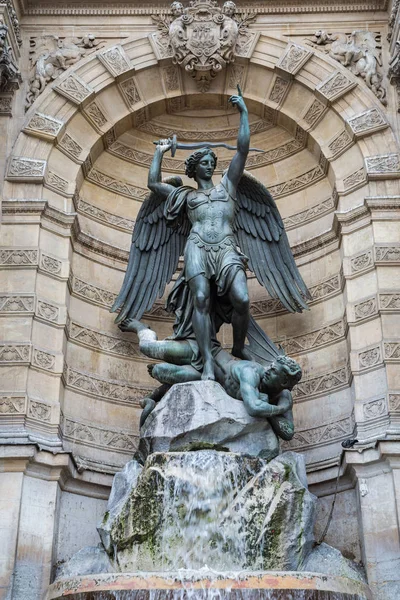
(262, 349)
(153, 257)
(261, 235)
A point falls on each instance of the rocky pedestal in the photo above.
(200, 415)
(227, 511)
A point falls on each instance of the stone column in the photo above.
(378, 498)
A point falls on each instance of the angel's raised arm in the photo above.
(236, 168)
(154, 182)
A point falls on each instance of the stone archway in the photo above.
(75, 380)
(83, 114)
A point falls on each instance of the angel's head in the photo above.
(229, 8)
(283, 374)
(177, 9)
(201, 164)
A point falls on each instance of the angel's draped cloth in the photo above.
(217, 262)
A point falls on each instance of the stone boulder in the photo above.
(199, 415)
(218, 509)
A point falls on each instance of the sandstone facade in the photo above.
(75, 170)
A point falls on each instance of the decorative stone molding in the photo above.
(95, 115)
(171, 78)
(321, 435)
(6, 104)
(11, 304)
(106, 439)
(366, 309)
(102, 216)
(57, 183)
(104, 252)
(297, 183)
(361, 262)
(117, 392)
(160, 130)
(370, 358)
(45, 127)
(389, 302)
(15, 353)
(130, 92)
(394, 401)
(102, 342)
(52, 266)
(310, 214)
(255, 160)
(391, 351)
(90, 292)
(387, 254)
(51, 313)
(315, 339)
(354, 180)
(12, 404)
(18, 257)
(70, 147)
(359, 51)
(115, 60)
(293, 59)
(314, 112)
(339, 144)
(43, 359)
(39, 410)
(374, 409)
(29, 170)
(334, 86)
(121, 187)
(50, 56)
(10, 76)
(74, 89)
(236, 75)
(279, 90)
(383, 166)
(366, 123)
(327, 383)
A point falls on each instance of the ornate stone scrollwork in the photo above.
(8, 69)
(359, 51)
(202, 38)
(51, 55)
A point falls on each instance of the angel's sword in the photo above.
(175, 145)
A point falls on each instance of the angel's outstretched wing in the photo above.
(262, 349)
(153, 257)
(261, 235)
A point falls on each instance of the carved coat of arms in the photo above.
(204, 38)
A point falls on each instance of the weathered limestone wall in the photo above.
(75, 172)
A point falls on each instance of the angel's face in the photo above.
(177, 9)
(205, 167)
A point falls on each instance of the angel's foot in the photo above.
(241, 353)
(208, 371)
(132, 325)
(150, 370)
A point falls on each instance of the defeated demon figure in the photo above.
(264, 384)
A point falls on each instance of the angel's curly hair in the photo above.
(193, 160)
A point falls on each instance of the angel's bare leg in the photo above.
(239, 297)
(170, 374)
(200, 289)
(175, 352)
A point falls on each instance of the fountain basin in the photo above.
(267, 585)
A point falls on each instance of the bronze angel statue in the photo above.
(220, 230)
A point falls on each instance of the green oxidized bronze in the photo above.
(220, 230)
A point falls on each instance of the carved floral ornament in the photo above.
(203, 38)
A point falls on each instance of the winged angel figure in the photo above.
(220, 230)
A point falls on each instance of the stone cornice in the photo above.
(143, 9)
